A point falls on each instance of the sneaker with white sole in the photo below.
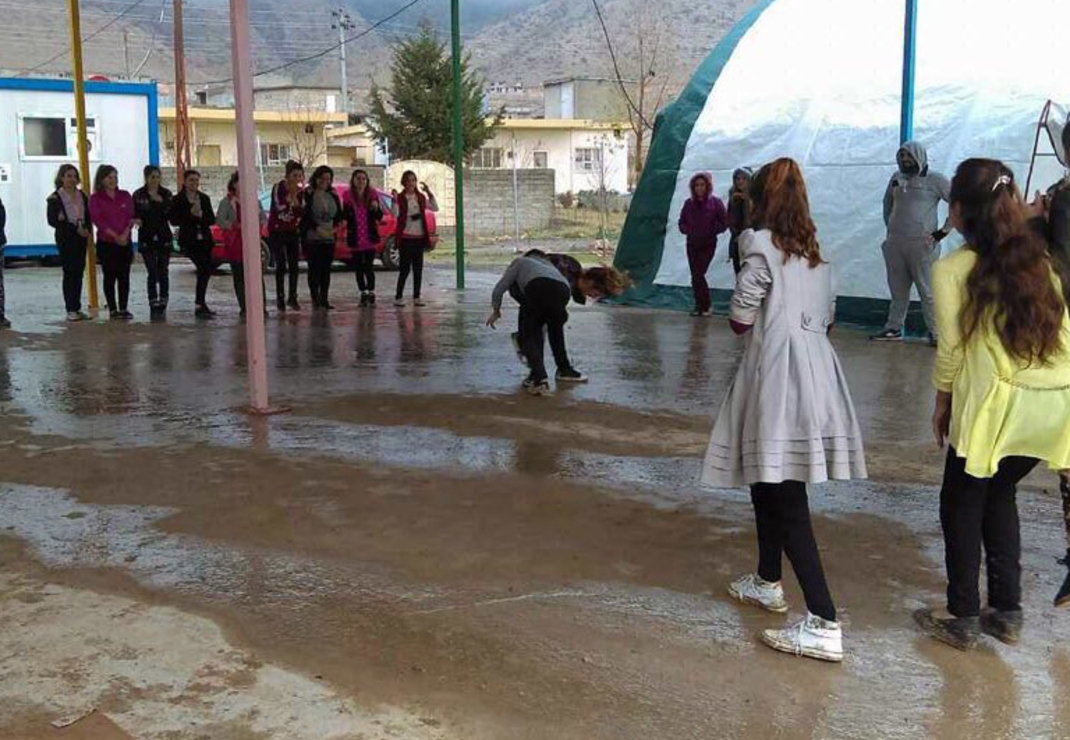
(570, 375)
(751, 589)
(419, 302)
(399, 302)
(811, 637)
(888, 335)
(538, 388)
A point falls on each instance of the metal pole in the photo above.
(126, 52)
(910, 39)
(458, 139)
(182, 145)
(83, 141)
(255, 340)
(516, 202)
(344, 24)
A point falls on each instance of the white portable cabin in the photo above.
(38, 133)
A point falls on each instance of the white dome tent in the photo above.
(821, 81)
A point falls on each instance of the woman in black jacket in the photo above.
(322, 214)
(4, 323)
(68, 214)
(152, 206)
(191, 212)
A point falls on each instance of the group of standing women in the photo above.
(1002, 380)
(299, 217)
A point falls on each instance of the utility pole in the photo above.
(182, 144)
(126, 52)
(910, 45)
(458, 139)
(83, 143)
(344, 23)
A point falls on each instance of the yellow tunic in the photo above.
(1000, 406)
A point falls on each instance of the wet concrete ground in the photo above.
(417, 550)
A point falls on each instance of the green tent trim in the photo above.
(643, 238)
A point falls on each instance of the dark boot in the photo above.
(1063, 597)
(1004, 626)
(961, 633)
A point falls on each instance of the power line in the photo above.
(325, 52)
(616, 68)
(130, 8)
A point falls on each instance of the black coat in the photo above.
(155, 228)
(193, 233)
(3, 224)
(67, 231)
(308, 223)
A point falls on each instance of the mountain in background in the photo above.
(513, 41)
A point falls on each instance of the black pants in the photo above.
(157, 259)
(545, 302)
(557, 339)
(976, 511)
(72, 257)
(364, 266)
(412, 259)
(201, 257)
(320, 258)
(237, 272)
(782, 513)
(115, 261)
(286, 251)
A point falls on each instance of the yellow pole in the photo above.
(83, 142)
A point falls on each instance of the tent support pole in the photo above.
(910, 34)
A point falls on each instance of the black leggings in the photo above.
(544, 306)
(320, 258)
(237, 272)
(201, 257)
(364, 266)
(557, 338)
(782, 513)
(286, 251)
(115, 261)
(157, 259)
(976, 511)
(72, 257)
(412, 259)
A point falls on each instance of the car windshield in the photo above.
(388, 202)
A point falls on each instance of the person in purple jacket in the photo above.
(702, 219)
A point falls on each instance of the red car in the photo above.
(386, 249)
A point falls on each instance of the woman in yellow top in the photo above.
(1002, 378)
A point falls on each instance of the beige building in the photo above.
(584, 155)
(282, 135)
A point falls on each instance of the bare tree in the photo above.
(306, 135)
(644, 67)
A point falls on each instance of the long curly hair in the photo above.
(1011, 283)
(782, 206)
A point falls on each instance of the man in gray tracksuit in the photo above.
(911, 205)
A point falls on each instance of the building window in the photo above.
(487, 158)
(274, 154)
(44, 137)
(540, 160)
(588, 160)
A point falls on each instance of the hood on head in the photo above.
(702, 176)
(918, 153)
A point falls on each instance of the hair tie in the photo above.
(1001, 180)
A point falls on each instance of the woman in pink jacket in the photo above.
(112, 212)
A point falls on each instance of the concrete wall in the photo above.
(488, 200)
(214, 179)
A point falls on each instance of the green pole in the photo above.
(458, 140)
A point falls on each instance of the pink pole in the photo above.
(254, 295)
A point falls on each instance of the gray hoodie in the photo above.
(521, 272)
(911, 202)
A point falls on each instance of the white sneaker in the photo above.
(750, 589)
(419, 302)
(400, 303)
(812, 637)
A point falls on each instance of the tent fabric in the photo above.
(820, 81)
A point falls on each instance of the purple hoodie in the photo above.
(703, 219)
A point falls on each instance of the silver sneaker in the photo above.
(750, 589)
(812, 637)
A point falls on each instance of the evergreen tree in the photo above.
(415, 113)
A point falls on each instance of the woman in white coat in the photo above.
(788, 420)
